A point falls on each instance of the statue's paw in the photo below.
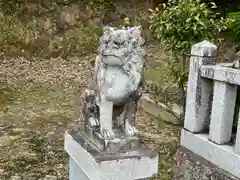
(97, 122)
(129, 129)
(107, 134)
(88, 94)
(117, 122)
(94, 122)
(236, 64)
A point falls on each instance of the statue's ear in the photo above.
(107, 29)
(136, 31)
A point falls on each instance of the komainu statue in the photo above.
(110, 108)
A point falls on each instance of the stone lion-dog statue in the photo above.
(117, 83)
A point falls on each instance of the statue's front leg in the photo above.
(129, 118)
(106, 115)
(117, 111)
(88, 109)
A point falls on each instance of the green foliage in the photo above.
(80, 41)
(233, 24)
(185, 22)
(43, 7)
(181, 24)
(20, 38)
(101, 7)
(63, 32)
(21, 7)
(50, 28)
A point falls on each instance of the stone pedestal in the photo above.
(88, 162)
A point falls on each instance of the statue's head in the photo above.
(119, 44)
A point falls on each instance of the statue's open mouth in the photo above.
(116, 52)
(113, 58)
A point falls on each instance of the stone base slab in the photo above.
(222, 156)
(161, 111)
(88, 163)
(119, 143)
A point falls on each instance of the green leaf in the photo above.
(150, 10)
(213, 5)
(188, 20)
(164, 5)
(183, 23)
(196, 17)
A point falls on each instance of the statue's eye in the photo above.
(116, 43)
(106, 41)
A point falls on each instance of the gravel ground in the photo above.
(189, 166)
(39, 100)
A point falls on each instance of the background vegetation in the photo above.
(180, 25)
(46, 47)
(49, 28)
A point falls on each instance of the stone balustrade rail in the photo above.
(210, 107)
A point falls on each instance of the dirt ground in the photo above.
(39, 101)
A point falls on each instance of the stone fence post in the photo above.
(199, 89)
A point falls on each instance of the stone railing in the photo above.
(210, 108)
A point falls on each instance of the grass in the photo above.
(162, 137)
(39, 105)
(47, 29)
(160, 82)
(157, 59)
(44, 38)
(62, 28)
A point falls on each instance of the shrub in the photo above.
(233, 24)
(185, 22)
(181, 24)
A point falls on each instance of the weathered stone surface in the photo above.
(87, 162)
(223, 106)
(75, 173)
(237, 143)
(199, 90)
(161, 111)
(111, 146)
(204, 49)
(221, 73)
(214, 147)
(189, 166)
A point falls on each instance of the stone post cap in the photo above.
(204, 49)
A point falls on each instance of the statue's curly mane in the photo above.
(122, 57)
(122, 43)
